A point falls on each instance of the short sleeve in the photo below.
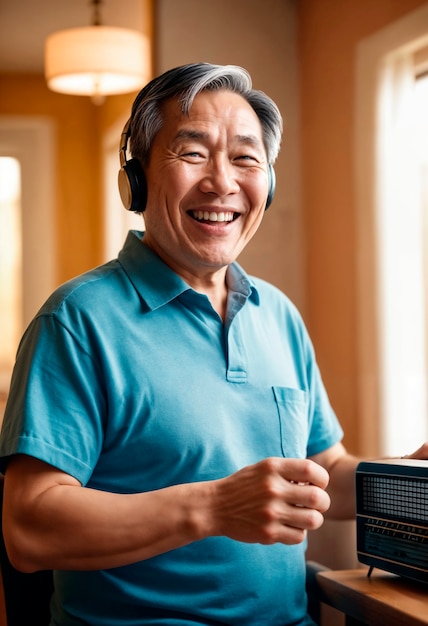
(56, 402)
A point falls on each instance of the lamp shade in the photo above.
(97, 60)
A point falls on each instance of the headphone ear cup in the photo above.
(133, 186)
(272, 185)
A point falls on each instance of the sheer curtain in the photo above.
(400, 237)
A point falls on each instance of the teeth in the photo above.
(213, 217)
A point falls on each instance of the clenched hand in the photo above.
(275, 500)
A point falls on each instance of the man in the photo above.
(168, 439)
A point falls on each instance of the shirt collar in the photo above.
(158, 284)
(239, 282)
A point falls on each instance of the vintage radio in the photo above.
(392, 516)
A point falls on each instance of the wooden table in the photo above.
(381, 600)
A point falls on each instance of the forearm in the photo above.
(341, 488)
(52, 522)
(67, 526)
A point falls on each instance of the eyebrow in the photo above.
(187, 133)
(251, 140)
(191, 134)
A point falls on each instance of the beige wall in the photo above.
(303, 54)
(261, 36)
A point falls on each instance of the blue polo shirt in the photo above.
(128, 380)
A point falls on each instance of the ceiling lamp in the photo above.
(97, 60)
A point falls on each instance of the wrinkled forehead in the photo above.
(215, 108)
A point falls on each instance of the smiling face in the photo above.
(207, 182)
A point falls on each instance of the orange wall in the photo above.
(77, 197)
(260, 36)
(79, 128)
(329, 32)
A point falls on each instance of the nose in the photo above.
(219, 178)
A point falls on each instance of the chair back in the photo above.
(27, 596)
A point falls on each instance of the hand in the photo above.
(275, 500)
(421, 453)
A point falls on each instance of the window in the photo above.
(391, 157)
(10, 265)
(402, 251)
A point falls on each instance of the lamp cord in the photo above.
(96, 19)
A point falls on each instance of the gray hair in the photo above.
(186, 82)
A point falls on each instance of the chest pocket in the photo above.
(292, 405)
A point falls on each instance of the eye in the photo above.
(192, 155)
(246, 159)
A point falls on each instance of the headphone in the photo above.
(132, 181)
